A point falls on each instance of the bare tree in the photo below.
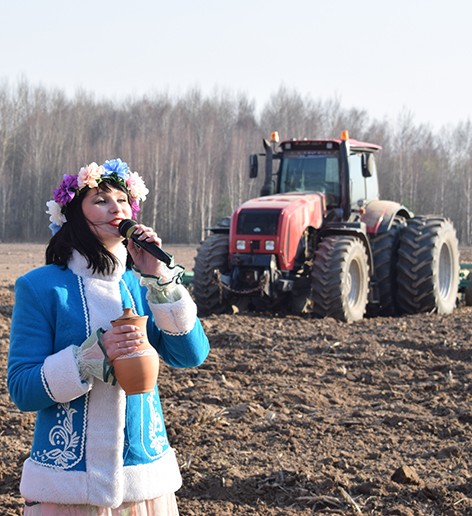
(192, 151)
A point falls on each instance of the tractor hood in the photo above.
(290, 201)
(275, 224)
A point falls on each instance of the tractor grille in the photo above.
(258, 222)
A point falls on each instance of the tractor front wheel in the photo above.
(340, 278)
(212, 258)
(428, 266)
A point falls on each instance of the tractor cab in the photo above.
(342, 169)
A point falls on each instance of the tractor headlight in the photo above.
(269, 245)
(241, 245)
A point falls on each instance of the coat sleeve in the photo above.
(38, 376)
(176, 331)
(185, 350)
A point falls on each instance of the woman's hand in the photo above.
(121, 340)
(143, 260)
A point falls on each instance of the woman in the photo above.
(95, 450)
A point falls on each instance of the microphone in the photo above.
(127, 228)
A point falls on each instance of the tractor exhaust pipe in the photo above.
(268, 186)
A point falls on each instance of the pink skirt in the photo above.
(165, 505)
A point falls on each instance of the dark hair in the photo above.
(76, 234)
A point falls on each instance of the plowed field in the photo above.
(295, 415)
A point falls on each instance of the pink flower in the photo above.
(88, 175)
(136, 186)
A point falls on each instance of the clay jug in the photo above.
(137, 371)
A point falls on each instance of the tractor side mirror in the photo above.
(253, 166)
(368, 165)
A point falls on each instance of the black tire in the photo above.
(212, 256)
(384, 252)
(340, 279)
(428, 266)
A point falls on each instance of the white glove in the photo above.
(166, 288)
(174, 310)
(92, 359)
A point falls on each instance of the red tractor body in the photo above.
(265, 225)
(320, 239)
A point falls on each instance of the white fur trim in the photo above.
(78, 265)
(148, 481)
(143, 482)
(103, 301)
(104, 449)
(52, 485)
(62, 376)
(178, 317)
(102, 293)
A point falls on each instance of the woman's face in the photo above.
(104, 210)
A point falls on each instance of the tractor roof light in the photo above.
(345, 135)
(274, 137)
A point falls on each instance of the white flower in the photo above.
(54, 210)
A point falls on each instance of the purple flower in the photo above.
(67, 190)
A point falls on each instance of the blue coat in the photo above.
(92, 443)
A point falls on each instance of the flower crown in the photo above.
(90, 177)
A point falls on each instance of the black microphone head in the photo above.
(126, 227)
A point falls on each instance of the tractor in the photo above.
(319, 240)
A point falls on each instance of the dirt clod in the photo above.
(406, 475)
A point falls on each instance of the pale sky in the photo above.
(379, 55)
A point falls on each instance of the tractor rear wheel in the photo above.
(340, 278)
(384, 252)
(211, 258)
(428, 266)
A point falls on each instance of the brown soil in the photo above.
(296, 415)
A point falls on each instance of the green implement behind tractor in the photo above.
(465, 283)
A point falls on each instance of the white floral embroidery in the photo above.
(64, 438)
(156, 425)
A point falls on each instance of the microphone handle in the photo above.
(155, 250)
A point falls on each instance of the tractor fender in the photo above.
(379, 215)
(221, 227)
(357, 229)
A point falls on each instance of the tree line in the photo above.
(192, 152)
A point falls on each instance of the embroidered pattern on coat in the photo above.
(65, 452)
(157, 441)
(84, 306)
(128, 292)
